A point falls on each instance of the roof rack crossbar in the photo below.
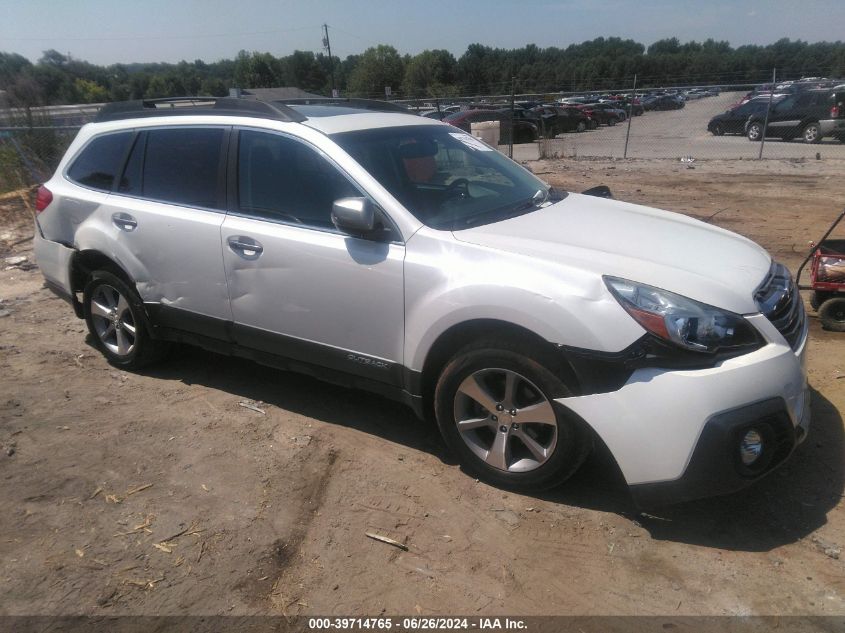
(200, 105)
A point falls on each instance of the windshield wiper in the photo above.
(540, 196)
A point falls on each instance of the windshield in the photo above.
(448, 179)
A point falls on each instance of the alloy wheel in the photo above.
(113, 320)
(505, 420)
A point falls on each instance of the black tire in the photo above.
(718, 130)
(754, 132)
(127, 313)
(818, 298)
(611, 121)
(811, 133)
(566, 440)
(832, 314)
(582, 126)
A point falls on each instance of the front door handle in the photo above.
(245, 247)
(124, 222)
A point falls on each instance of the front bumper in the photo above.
(715, 466)
(672, 431)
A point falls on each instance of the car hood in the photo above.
(659, 248)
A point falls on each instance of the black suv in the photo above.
(733, 120)
(797, 115)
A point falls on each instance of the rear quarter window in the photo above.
(100, 161)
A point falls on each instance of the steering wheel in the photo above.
(454, 186)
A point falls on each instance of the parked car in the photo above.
(390, 252)
(523, 131)
(797, 115)
(434, 114)
(607, 113)
(733, 120)
(634, 107)
(834, 123)
(600, 116)
(663, 102)
(555, 120)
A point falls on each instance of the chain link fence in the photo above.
(33, 141)
(687, 123)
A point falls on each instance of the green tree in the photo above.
(378, 67)
(429, 73)
(90, 91)
(257, 70)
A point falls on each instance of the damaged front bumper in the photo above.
(675, 434)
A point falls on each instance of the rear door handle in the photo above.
(124, 222)
(245, 247)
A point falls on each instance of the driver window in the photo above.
(285, 180)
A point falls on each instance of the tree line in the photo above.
(602, 63)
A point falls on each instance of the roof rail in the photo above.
(184, 106)
(364, 104)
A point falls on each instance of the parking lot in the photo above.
(675, 134)
(210, 485)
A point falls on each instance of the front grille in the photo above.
(778, 299)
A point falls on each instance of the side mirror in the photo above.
(601, 191)
(355, 216)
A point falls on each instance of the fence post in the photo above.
(630, 116)
(768, 108)
(510, 142)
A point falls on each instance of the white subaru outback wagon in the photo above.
(394, 253)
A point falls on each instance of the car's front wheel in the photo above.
(118, 323)
(717, 129)
(495, 408)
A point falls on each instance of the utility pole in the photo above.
(328, 46)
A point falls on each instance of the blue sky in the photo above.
(108, 31)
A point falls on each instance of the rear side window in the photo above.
(181, 165)
(100, 161)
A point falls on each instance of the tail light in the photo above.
(834, 112)
(43, 198)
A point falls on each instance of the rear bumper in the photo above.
(673, 433)
(54, 261)
(832, 127)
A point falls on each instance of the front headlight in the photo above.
(692, 325)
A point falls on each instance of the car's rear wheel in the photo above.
(118, 323)
(811, 133)
(832, 314)
(495, 408)
(581, 126)
(754, 131)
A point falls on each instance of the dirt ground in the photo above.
(158, 493)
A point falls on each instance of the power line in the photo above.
(158, 37)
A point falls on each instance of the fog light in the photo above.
(751, 447)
